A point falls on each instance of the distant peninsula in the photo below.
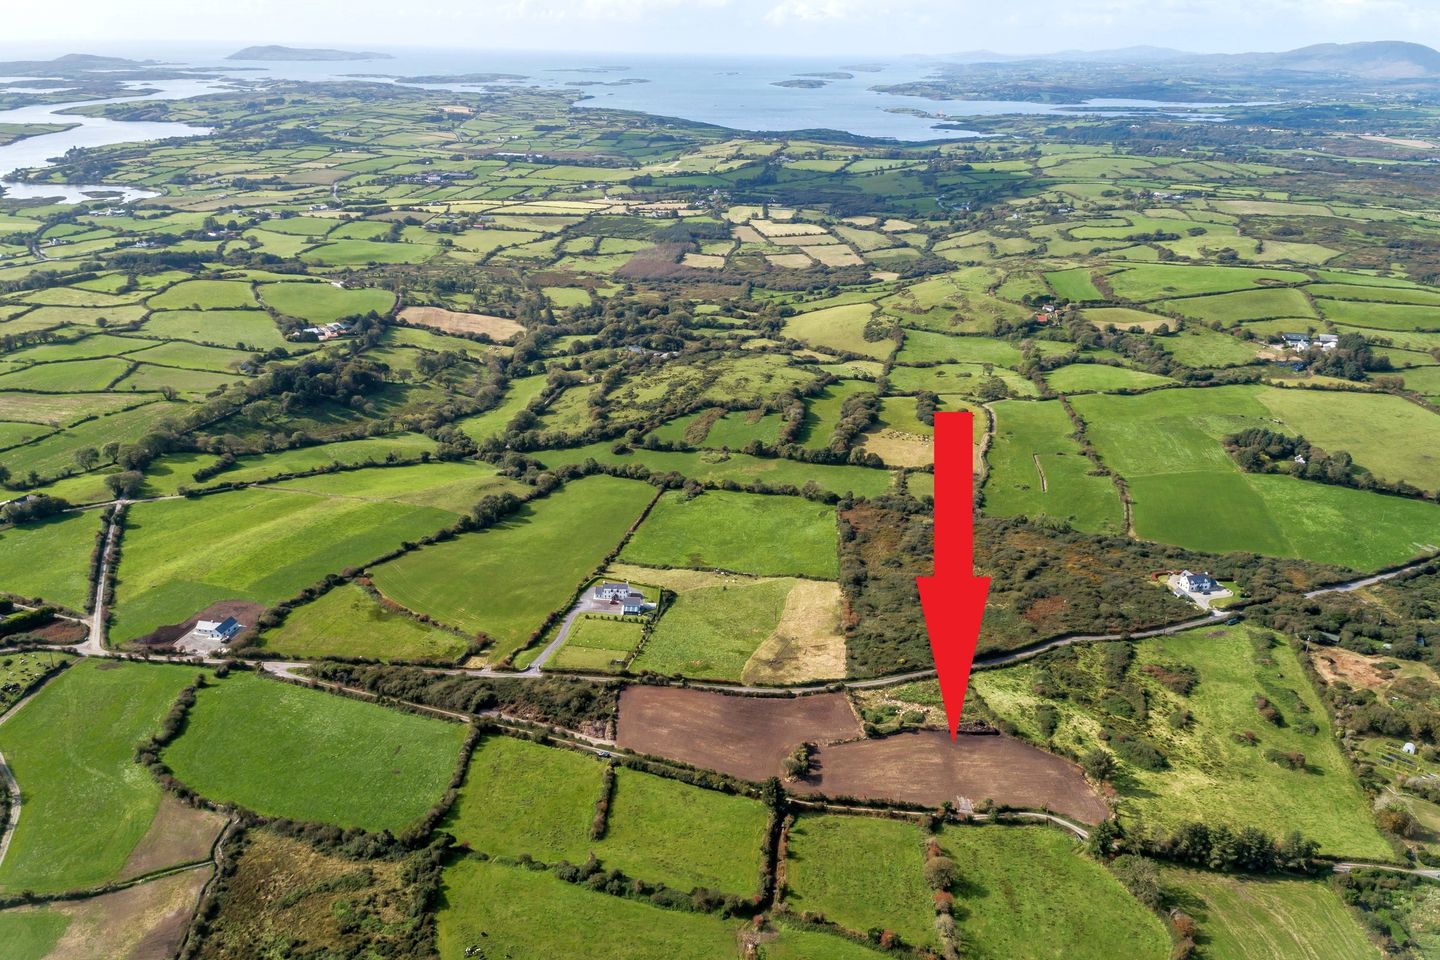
(274, 52)
(804, 83)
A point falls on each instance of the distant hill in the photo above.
(70, 63)
(1378, 60)
(1383, 60)
(275, 52)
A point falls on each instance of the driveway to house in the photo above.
(588, 603)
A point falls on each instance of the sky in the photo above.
(820, 28)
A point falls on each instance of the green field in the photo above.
(541, 553)
(839, 328)
(1036, 469)
(526, 915)
(50, 558)
(86, 802)
(664, 831)
(1027, 890)
(31, 934)
(1099, 378)
(522, 798)
(861, 872)
(285, 751)
(1211, 776)
(598, 644)
(349, 622)
(225, 328)
(260, 545)
(1257, 918)
(323, 303)
(712, 631)
(715, 467)
(1187, 491)
(740, 532)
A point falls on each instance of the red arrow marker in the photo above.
(953, 600)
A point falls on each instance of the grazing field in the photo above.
(711, 631)
(1023, 890)
(250, 329)
(716, 467)
(282, 750)
(1187, 491)
(522, 798)
(861, 873)
(745, 737)
(739, 532)
(1037, 469)
(71, 749)
(259, 545)
(1256, 918)
(50, 559)
(1210, 775)
(265, 466)
(541, 553)
(349, 622)
(669, 832)
(495, 906)
(734, 627)
(839, 328)
(1099, 378)
(323, 303)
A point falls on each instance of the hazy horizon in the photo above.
(793, 28)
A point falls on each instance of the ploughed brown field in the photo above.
(925, 767)
(748, 737)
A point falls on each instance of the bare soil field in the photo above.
(246, 611)
(179, 834)
(924, 767)
(499, 329)
(746, 737)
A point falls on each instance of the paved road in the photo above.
(1347, 866)
(1363, 582)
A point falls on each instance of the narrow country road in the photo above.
(94, 645)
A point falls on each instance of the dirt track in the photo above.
(924, 767)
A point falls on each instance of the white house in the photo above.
(1201, 583)
(222, 630)
(1408, 748)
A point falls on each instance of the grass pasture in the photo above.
(1256, 918)
(541, 554)
(323, 302)
(282, 750)
(256, 544)
(71, 749)
(861, 872)
(348, 622)
(522, 798)
(1026, 890)
(50, 559)
(839, 328)
(738, 532)
(665, 831)
(496, 905)
(1036, 469)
